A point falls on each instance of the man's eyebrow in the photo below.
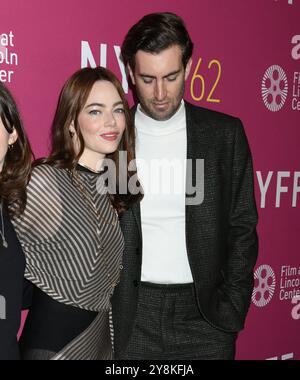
(172, 73)
(166, 76)
(103, 105)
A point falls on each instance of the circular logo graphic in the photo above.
(274, 88)
(264, 287)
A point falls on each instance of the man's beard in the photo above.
(149, 111)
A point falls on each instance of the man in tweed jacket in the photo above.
(188, 263)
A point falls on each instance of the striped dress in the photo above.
(74, 257)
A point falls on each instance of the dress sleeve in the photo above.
(43, 214)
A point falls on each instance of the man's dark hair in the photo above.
(153, 34)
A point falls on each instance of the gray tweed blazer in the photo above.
(221, 237)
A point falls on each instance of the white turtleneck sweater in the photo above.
(161, 151)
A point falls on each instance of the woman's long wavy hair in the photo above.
(72, 100)
(16, 169)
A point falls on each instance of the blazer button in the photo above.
(135, 283)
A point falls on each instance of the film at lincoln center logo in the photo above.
(274, 88)
(264, 287)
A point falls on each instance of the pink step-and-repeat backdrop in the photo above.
(246, 63)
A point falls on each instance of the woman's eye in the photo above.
(94, 112)
(120, 110)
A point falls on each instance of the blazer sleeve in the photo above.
(242, 238)
(10, 308)
(27, 295)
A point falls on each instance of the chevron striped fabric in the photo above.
(73, 253)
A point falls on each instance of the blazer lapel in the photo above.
(200, 139)
(136, 210)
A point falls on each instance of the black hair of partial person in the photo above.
(72, 100)
(16, 170)
(154, 33)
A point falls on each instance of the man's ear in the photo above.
(188, 68)
(13, 137)
(129, 69)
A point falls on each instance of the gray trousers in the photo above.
(169, 326)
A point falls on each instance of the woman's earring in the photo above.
(10, 146)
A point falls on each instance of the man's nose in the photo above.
(160, 91)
